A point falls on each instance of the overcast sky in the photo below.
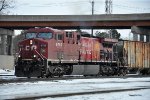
(77, 7)
(70, 7)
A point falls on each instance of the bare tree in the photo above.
(6, 4)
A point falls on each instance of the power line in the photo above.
(131, 7)
(66, 3)
(108, 5)
(54, 4)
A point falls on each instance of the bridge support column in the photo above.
(6, 49)
(9, 45)
(3, 45)
(142, 32)
(6, 41)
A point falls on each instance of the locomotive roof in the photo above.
(49, 29)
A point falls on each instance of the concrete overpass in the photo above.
(117, 21)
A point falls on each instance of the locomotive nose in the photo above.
(33, 48)
(27, 49)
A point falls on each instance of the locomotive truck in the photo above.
(48, 52)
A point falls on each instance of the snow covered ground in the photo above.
(56, 87)
(130, 95)
(6, 72)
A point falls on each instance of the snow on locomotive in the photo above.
(48, 52)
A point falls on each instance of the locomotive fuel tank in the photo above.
(85, 70)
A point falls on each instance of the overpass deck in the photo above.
(124, 21)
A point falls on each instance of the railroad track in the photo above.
(79, 93)
(23, 79)
(6, 75)
(61, 87)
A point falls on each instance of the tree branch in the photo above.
(5, 4)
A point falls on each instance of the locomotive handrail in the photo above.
(40, 55)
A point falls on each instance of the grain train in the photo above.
(48, 52)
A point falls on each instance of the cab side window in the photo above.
(69, 35)
(59, 36)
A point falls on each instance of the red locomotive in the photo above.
(48, 52)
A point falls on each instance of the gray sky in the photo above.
(70, 7)
(79, 7)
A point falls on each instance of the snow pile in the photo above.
(6, 72)
(2, 71)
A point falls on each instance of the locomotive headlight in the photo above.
(62, 56)
(31, 42)
(34, 56)
(19, 56)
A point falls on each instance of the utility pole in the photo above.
(92, 7)
(108, 6)
(108, 10)
(92, 14)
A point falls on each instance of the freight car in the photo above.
(48, 52)
(137, 55)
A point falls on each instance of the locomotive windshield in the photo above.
(30, 35)
(39, 35)
(45, 35)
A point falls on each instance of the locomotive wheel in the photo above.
(28, 77)
(148, 72)
(85, 75)
(48, 73)
(26, 71)
(28, 74)
(60, 76)
(122, 72)
(38, 76)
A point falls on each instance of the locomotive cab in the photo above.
(47, 51)
(33, 53)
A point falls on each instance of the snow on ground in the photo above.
(40, 88)
(130, 95)
(6, 72)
